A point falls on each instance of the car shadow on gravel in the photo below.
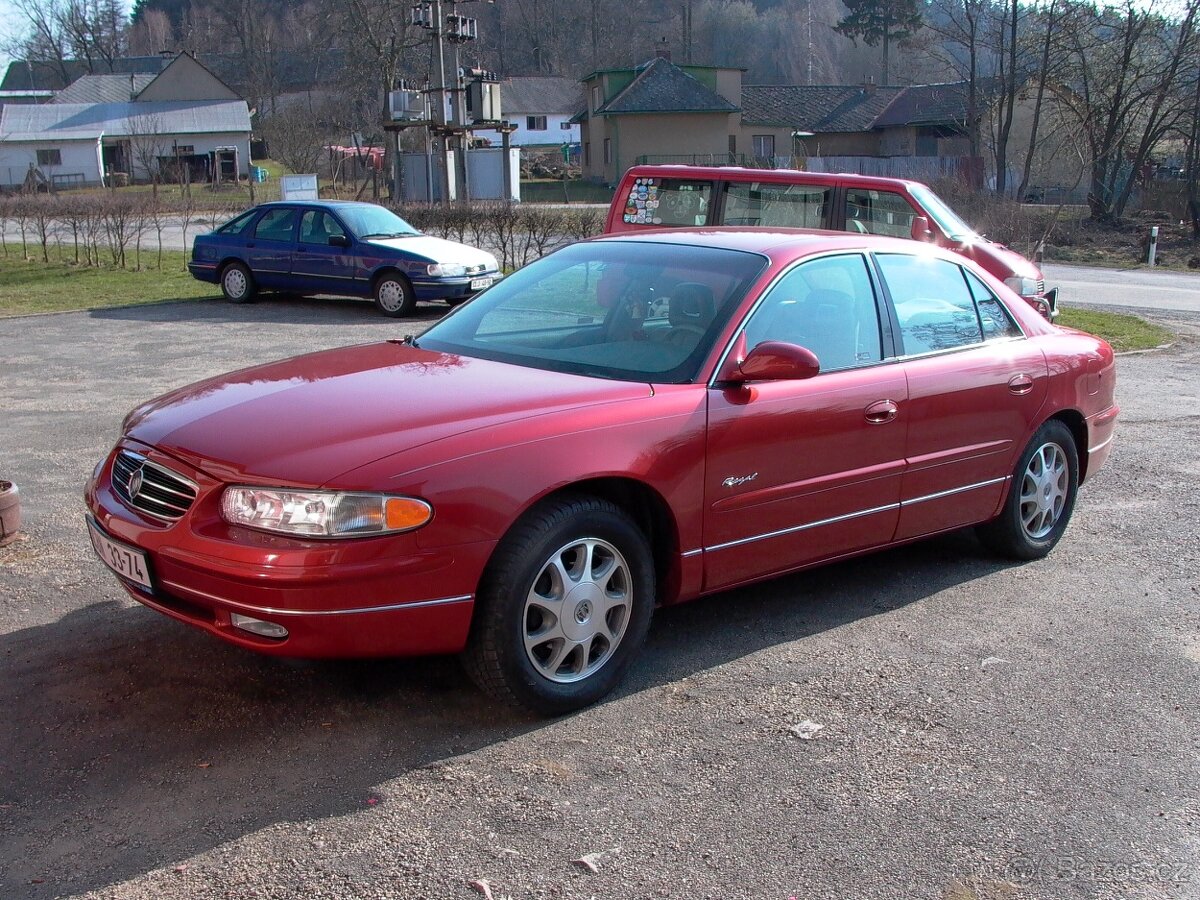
(133, 742)
(271, 309)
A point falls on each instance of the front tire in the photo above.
(237, 284)
(1040, 499)
(563, 608)
(394, 295)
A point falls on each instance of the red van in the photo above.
(666, 196)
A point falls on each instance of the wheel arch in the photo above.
(389, 268)
(647, 508)
(1076, 424)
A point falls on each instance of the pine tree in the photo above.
(879, 20)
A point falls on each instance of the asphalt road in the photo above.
(991, 730)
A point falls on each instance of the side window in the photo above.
(933, 303)
(317, 227)
(826, 305)
(995, 319)
(276, 225)
(878, 212)
(238, 225)
(667, 201)
(781, 205)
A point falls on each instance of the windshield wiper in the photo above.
(387, 234)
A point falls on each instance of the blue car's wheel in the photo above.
(394, 295)
(237, 284)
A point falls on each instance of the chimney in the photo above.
(868, 86)
(663, 53)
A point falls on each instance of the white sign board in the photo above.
(298, 187)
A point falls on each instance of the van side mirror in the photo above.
(920, 230)
(339, 240)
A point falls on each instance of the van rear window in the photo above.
(777, 205)
(667, 201)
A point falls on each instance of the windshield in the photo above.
(610, 309)
(368, 221)
(943, 216)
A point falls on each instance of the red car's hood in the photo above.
(306, 420)
(1000, 261)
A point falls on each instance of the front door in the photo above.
(319, 267)
(800, 471)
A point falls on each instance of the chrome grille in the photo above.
(150, 488)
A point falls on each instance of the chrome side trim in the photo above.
(958, 490)
(690, 553)
(774, 534)
(272, 611)
(1102, 444)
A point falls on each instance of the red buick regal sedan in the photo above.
(631, 421)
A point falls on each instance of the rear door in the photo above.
(975, 384)
(269, 249)
(805, 470)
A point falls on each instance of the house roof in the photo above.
(662, 87)
(90, 121)
(103, 88)
(39, 75)
(535, 94)
(850, 108)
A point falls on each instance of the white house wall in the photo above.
(523, 137)
(82, 157)
(78, 157)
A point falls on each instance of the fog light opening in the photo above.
(258, 626)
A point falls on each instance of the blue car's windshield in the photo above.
(611, 309)
(369, 221)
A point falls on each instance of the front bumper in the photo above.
(369, 597)
(452, 288)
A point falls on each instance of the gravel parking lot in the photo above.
(991, 730)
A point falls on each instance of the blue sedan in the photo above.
(338, 247)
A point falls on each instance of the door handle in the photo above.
(1020, 384)
(881, 412)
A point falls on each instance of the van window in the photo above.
(780, 205)
(878, 212)
(667, 201)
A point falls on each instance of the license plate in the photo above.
(478, 284)
(121, 558)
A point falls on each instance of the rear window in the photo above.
(778, 205)
(667, 201)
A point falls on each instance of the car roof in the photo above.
(777, 243)
(739, 173)
(334, 203)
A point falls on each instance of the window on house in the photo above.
(764, 146)
(597, 97)
(535, 123)
(184, 149)
(51, 157)
(733, 144)
(587, 153)
(607, 151)
(565, 126)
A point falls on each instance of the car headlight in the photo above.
(446, 270)
(491, 262)
(327, 514)
(1023, 285)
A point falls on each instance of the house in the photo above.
(182, 121)
(657, 110)
(541, 108)
(663, 113)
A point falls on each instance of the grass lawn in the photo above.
(1122, 331)
(38, 287)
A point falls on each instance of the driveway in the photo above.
(991, 730)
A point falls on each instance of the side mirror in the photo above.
(773, 361)
(339, 240)
(920, 230)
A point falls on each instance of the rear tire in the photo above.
(237, 284)
(563, 607)
(1040, 499)
(394, 295)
